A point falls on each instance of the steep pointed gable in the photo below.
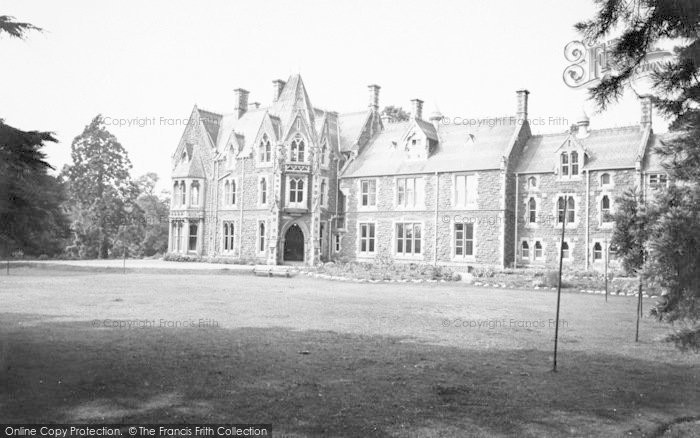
(292, 101)
(299, 126)
(212, 123)
(190, 164)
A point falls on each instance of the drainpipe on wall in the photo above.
(437, 205)
(588, 206)
(515, 227)
(335, 216)
(240, 186)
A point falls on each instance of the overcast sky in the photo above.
(156, 59)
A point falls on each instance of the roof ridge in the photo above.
(210, 112)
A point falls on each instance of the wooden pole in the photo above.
(561, 260)
(639, 308)
(606, 267)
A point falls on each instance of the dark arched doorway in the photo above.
(294, 244)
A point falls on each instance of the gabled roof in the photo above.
(654, 162)
(191, 167)
(211, 122)
(606, 149)
(350, 126)
(292, 99)
(461, 148)
(427, 128)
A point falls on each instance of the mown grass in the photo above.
(378, 360)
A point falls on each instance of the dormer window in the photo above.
(569, 164)
(564, 164)
(297, 149)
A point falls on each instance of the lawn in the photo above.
(321, 358)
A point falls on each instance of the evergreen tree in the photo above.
(31, 218)
(100, 187)
(672, 218)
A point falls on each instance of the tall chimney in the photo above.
(277, 87)
(241, 101)
(582, 125)
(645, 120)
(417, 108)
(374, 96)
(521, 110)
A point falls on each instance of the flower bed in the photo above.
(388, 271)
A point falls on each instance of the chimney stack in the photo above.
(645, 120)
(277, 87)
(582, 125)
(374, 96)
(241, 98)
(417, 108)
(521, 110)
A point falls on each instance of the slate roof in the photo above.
(350, 126)
(212, 122)
(192, 167)
(428, 129)
(292, 99)
(655, 162)
(606, 149)
(461, 148)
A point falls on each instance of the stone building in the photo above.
(291, 183)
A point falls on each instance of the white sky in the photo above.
(129, 59)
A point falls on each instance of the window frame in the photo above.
(403, 238)
(461, 243)
(367, 235)
(525, 250)
(293, 188)
(370, 194)
(261, 240)
(191, 236)
(468, 189)
(265, 150)
(228, 233)
(540, 249)
(532, 211)
(297, 148)
(570, 210)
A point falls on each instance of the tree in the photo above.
(672, 219)
(100, 187)
(15, 29)
(631, 231)
(31, 218)
(155, 210)
(395, 114)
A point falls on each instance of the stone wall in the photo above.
(487, 217)
(588, 221)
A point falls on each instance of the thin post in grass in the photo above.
(606, 267)
(639, 308)
(561, 260)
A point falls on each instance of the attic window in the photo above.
(414, 142)
(184, 156)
